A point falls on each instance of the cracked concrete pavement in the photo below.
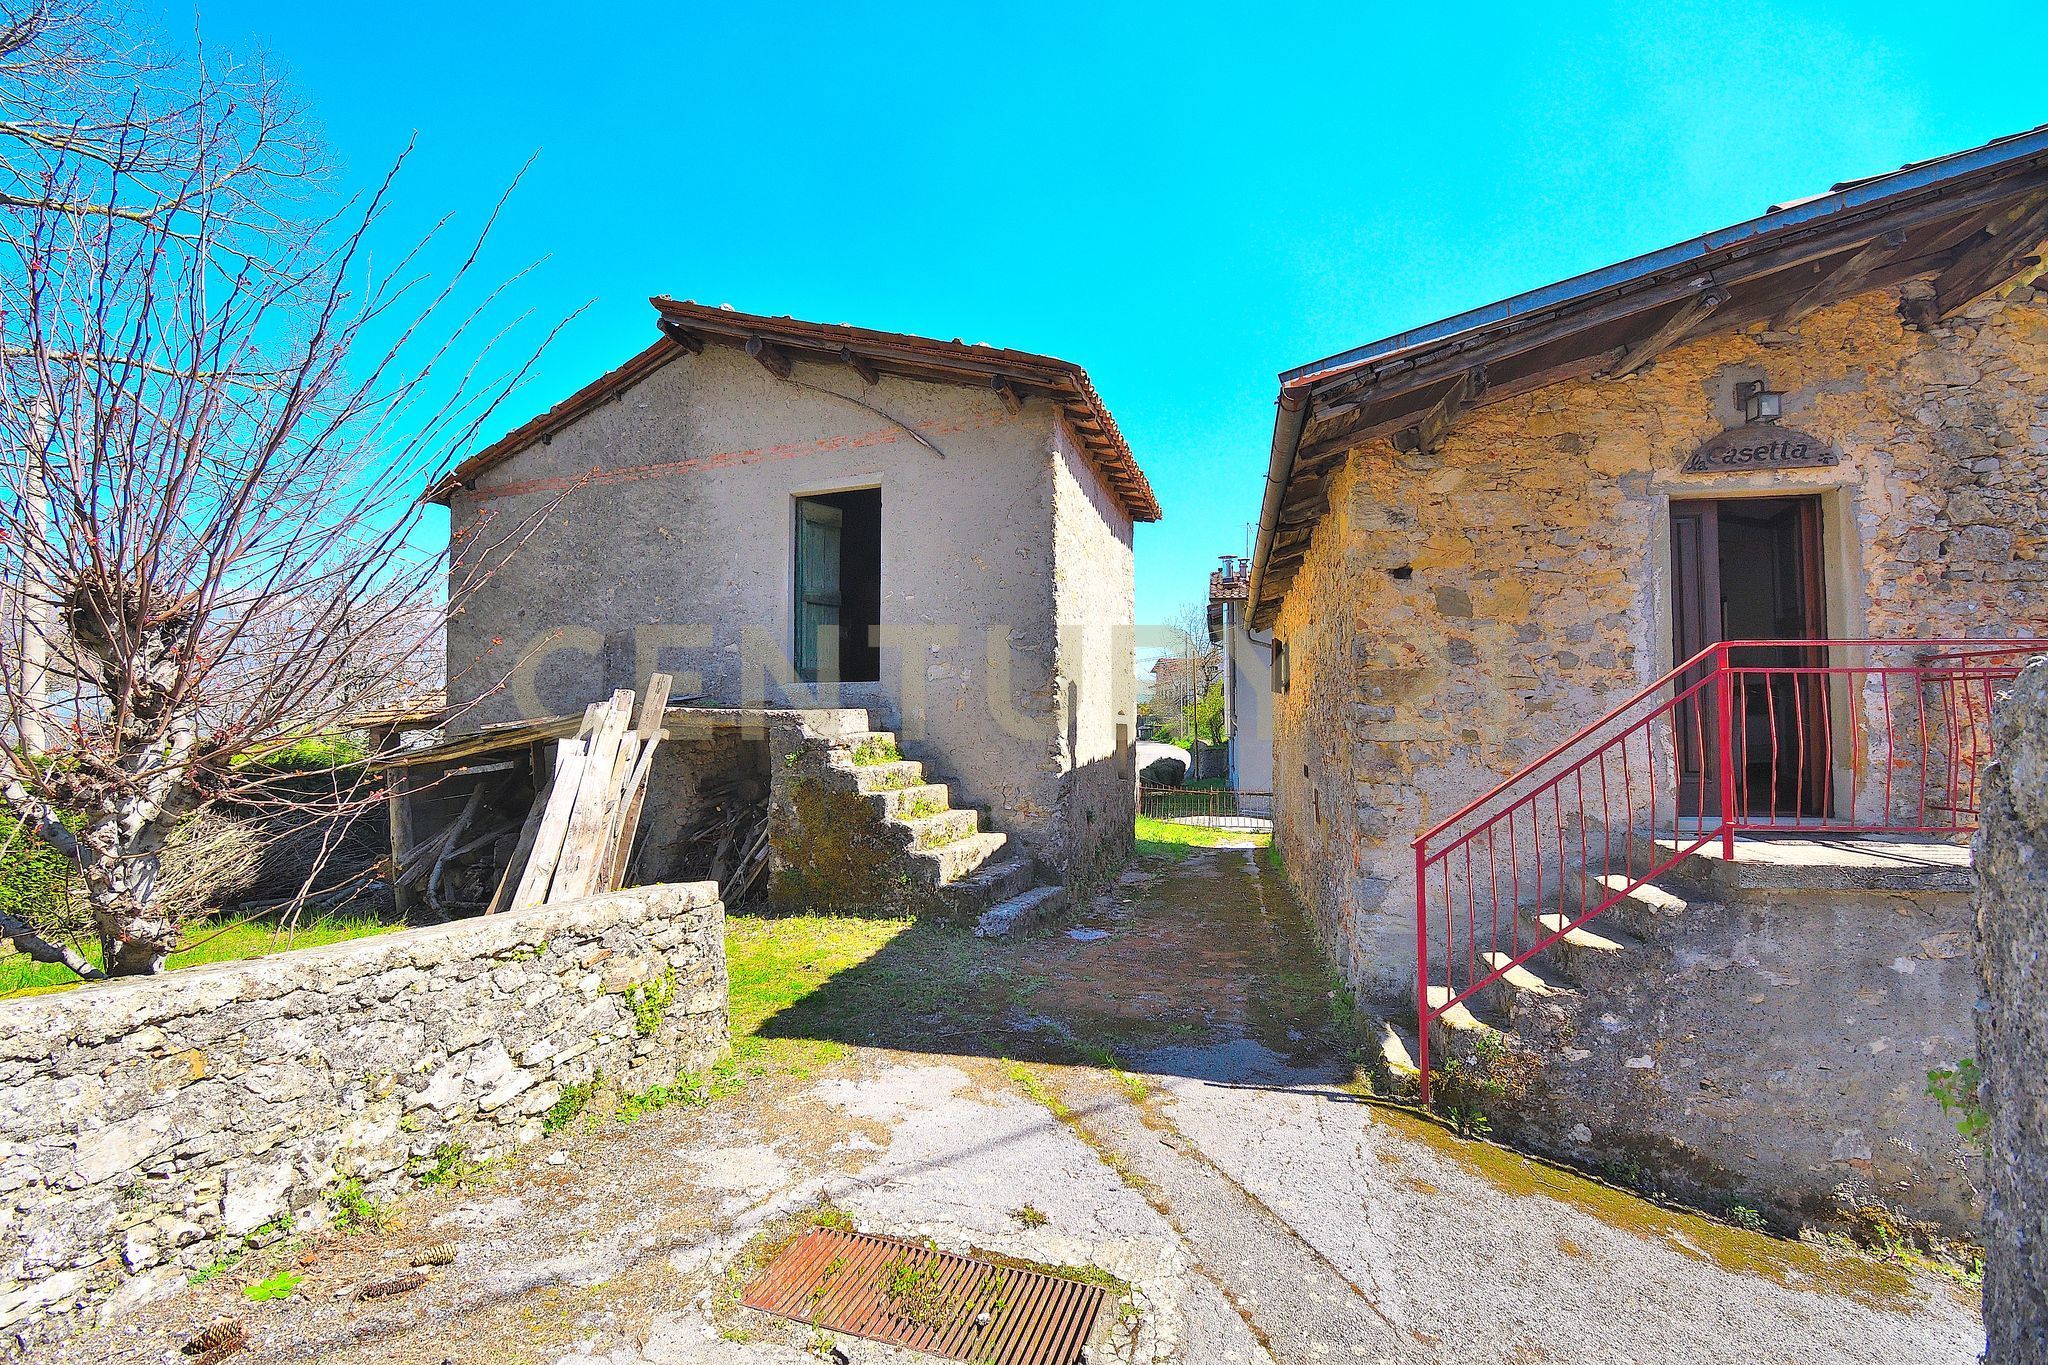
(1168, 1101)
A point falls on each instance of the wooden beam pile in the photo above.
(578, 838)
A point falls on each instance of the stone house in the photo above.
(872, 561)
(1488, 534)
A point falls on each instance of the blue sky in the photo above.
(1185, 200)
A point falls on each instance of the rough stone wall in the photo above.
(2012, 1026)
(1458, 614)
(1095, 746)
(657, 531)
(151, 1125)
(1764, 1049)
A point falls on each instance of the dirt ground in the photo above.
(1157, 1087)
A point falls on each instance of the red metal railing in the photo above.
(1843, 737)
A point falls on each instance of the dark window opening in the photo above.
(839, 586)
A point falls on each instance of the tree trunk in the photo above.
(122, 873)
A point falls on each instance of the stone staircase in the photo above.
(857, 825)
(1720, 998)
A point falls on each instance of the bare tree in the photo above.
(1184, 678)
(217, 417)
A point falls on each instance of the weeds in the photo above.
(1030, 1215)
(914, 1292)
(923, 807)
(650, 1003)
(1957, 1090)
(1747, 1218)
(282, 1285)
(353, 1209)
(574, 1100)
(451, 1164)
(876, 750)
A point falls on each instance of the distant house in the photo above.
(864, 538)
(1247, 676)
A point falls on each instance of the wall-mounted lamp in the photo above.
(1759, 404)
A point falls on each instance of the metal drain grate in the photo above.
(907, 1295)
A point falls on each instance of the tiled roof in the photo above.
(1017, 375)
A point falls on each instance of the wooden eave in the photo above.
(776, 342)
(1966, 238)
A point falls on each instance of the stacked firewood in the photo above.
(728, 842)
(578, 838)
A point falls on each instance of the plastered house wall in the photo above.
(657, 531)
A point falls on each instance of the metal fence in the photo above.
(1209, 807)
(1823, 738)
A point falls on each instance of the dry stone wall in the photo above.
(2012, 1027)
(151, 1125)
(1461, 612)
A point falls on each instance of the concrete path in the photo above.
(1160, 1089)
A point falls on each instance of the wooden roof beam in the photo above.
(861, 366)
(682, 336)
(1007, 391)
(1670, 332)
(1983, 266)
(773, 358)
(1842, 280)
(1428, 434)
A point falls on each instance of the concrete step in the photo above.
(1398, 1073)
(948, 827)
(1519, 979)
(1020, 912)
(932, 797)
(1455, 1032)
(1810, 859)
(1647, 912)
(1588, 954)
(879, 777)
(949, 863)
(990, 884)
(865, 739)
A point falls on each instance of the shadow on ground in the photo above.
(1189, 948)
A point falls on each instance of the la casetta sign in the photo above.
(1761, 446)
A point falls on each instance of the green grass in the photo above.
(775, 962)
(1169, 839)
(206, 942)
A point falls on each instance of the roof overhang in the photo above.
(778, 342)
(1968, 221)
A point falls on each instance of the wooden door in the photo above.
(1695, 623)
(1750, 569)
(819, 529)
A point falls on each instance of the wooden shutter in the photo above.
(818, 530)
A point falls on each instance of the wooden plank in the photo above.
(576, 871)
(653, 709)
(861, 366)
(1428, 434)
(515, 865)
(538, 874)
(773, 358)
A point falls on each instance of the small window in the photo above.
(1282, 658)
